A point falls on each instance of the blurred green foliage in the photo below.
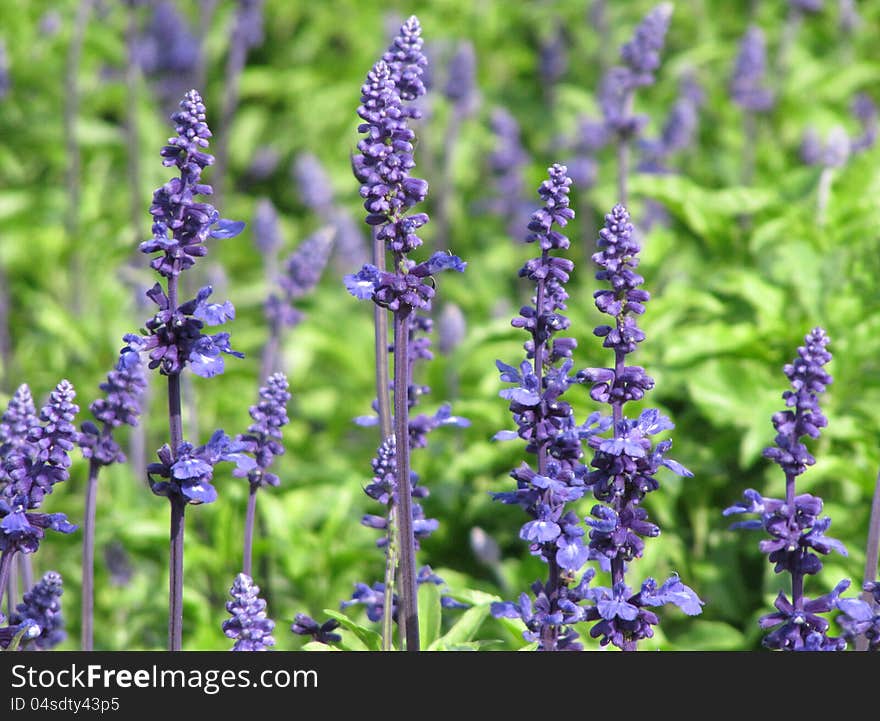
(738, 276)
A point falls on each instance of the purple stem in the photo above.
(872, 556)
(550, 632)
(408, 612)
(178, 506)
(26, 572)
(249, 529)
(88, 559)
(383, 404)
(618, 568)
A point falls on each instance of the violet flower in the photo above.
(546, 423)
(42, 606)
(507, 165)
(173, 338)
(383, 167)
(32, 469)
(748, 89)
(249, 625)
(795, 528)
(860, 617)
(624, 466)
(304, 625)
(263, 441)
(316, 191)
(125, 388)
(301, 272)
(641, 59)
(168, 52)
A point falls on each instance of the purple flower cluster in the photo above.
(317, 193)
(545, 421)
(249, 625)
(304, 625)
(181, 224)
(795, 528)
(679, 128)
(861, 617)
(407, 64)
(189, 472)
(624, 466)
(124, 387)
(173, 338)
(641, 59)
(839, 146)
(372, 598)
(263, 439)
(301, 272)
(747, 83)
(42, 606)
(32, 469)
(507, 165)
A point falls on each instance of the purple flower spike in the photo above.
(407, 63)
(546, 422)
(181, 225)
(42, 606)
(263, 439)
(796, 531)
(642, 53)
(124, 387)
(32, 469)
(249, 625)
(625, 465)
(747, 82)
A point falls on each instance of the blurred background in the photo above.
(746, 248)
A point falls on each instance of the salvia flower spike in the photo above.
(32, 469)
(383, 166)
(173, 339)
(794, 524)
(42, 606)
(545, 421)
(624, 466)
(249, 625)
(263, 442)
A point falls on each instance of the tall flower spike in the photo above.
(263, 438)
(545, 421)
(20, 416)
(42, 605)
(383, 166)
(747, 84)
(249, 625)
(624, 466)
(181, 225)
(124, 390)
(795, 528)
(642, 53)
(32, 470)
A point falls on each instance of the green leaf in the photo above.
(429, 614)
(462, 630)
(367, 636)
